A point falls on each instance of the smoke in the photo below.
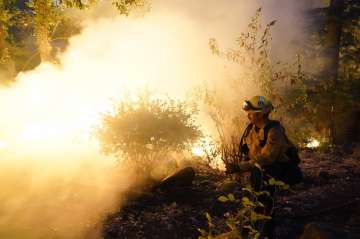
(47, 198)
(54, 182)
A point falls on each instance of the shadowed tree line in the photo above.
(336, 47)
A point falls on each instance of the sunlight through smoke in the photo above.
(313, 143)
(197, 151)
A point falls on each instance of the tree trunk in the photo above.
(42, 12)
(334, 28)
(2, 41)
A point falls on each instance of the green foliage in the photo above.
(278, 184)
(247, 220)
(125, 6)
(229, 198)
(330, 55)
(79, 4)
(7, 19)
(7, 12)
(252, 53)
(145, 129)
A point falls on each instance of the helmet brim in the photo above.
(248, 107)
(254, 111)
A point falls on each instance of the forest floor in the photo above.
(329, 194)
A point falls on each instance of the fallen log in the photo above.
(182, 178)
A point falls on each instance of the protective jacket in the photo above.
(267, 145)
(273, 151)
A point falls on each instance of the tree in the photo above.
(347, 84)
(144, 130)
(334, 29)
(48, 13)
(44, 20)
(40, 20)
(335, 45)
(7, 13)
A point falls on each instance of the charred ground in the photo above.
(328, 197)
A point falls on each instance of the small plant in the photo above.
(251, 213)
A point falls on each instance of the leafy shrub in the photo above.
(146, 129)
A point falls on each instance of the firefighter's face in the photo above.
(255, 117)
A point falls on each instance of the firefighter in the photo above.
(265, 144)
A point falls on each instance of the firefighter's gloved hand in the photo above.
(232, 168)
(245, 166)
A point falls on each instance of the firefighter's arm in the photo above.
(243, 166)
(273, 147)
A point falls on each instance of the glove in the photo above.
(232, 168)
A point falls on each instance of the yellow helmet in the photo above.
(258, 104)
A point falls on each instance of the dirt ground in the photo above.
(329, 194)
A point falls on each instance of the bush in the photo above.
(146, 129)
